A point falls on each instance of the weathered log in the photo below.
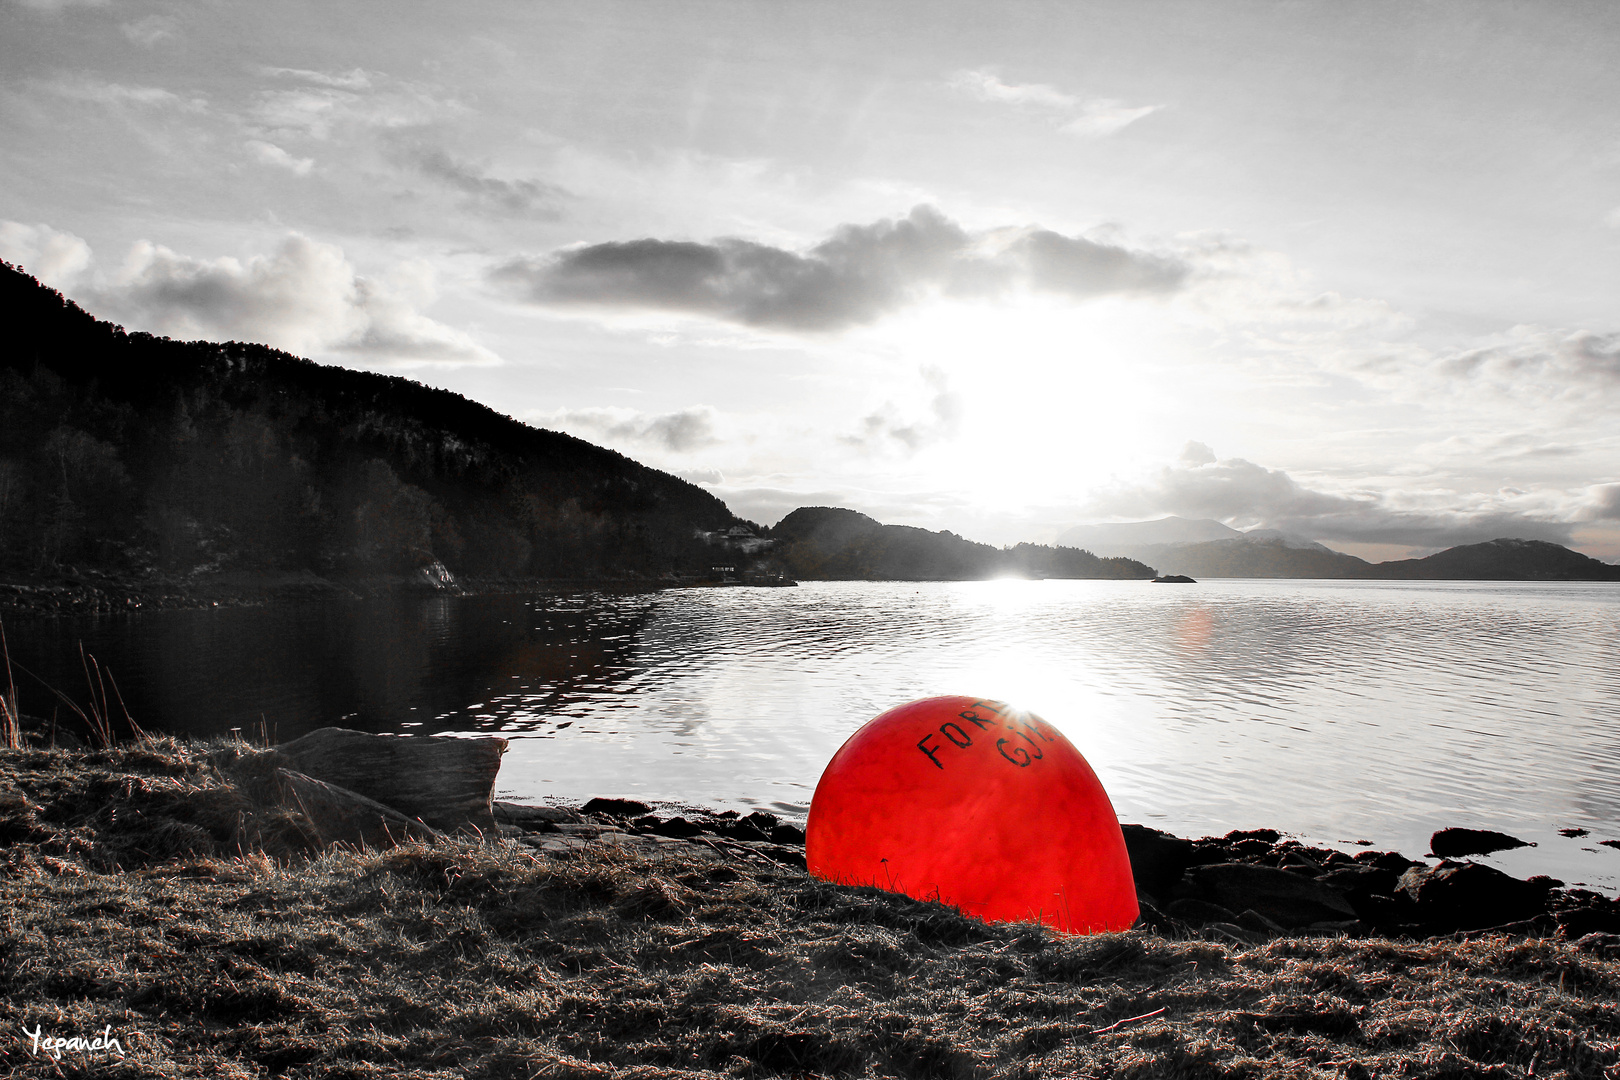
(341, 816)
(446, 782)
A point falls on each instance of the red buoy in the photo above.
(978, 805)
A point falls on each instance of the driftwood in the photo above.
(445, 782)
(340, 816)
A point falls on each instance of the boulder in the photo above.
(629, 808)
(1469, 896)
(1157, 859)
(1289, 899)
(1361, 880)
(1456, 843)
(341, 816)
(1196, 912)
(446, 782)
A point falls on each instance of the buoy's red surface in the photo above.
(976, 804)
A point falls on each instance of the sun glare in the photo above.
(1049, 401)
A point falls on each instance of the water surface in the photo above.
(1339, 711)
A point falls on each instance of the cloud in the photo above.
(1604, 503)
(305, 298)
(59, 5)
(1104, 117)
(885, 427)
(328, 101)
(856, 276)
(680, 432)
(271, 154)
(1245, 495)
(56, 258)
(528, 198)
(353, 79)
(1537, 363)
(988, 87)
(119, 96)
(148, 31)
(1088, 119)
(1197, 453)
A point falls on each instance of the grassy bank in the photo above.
(143, 896)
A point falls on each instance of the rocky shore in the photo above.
(158, 894)
(92, 592)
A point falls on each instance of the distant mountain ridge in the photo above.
(1267, 553)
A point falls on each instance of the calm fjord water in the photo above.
(1334, 710)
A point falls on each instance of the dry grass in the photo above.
(462, 960)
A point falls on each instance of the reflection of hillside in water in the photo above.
(407, 664)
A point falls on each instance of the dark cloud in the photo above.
(856, 276)
(526, 198)
(1078, 267)
(1606, 502)
(1245, 495)
(1542, 363)
(305, 297)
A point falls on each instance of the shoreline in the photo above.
(137, 909)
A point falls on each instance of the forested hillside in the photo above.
(126, 451)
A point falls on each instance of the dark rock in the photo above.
(1395, 914)
(788, 834)
(1269, 836)
(1216, 931)
(756, 826)
(627, 808)
(1469, 896)
(1572, 833)
(1347, 927)
(341, 816)
(1157, 858)
(1456, 843)
(1288, 899)
(1175, 579)
(1196, 912)
(1591, 919)
(1610, 843)
(1296, 863)
(1148, 916)
(677, 827)
(1251, 919)
(447, 783)
(533, 818)
(1360, 880)
(1387, 860)
(1606, 946)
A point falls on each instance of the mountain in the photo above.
(1128, 537)
(1268, 553)
(833, 544)
(1502, 560)
(134, 453)
(1254, 557)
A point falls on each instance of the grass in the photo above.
(143, 888)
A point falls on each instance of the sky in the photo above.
(1351, 271)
